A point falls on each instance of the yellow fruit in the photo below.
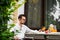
(52, 29)
(43, 28)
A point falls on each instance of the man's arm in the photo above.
(30, 30)
(15, 36)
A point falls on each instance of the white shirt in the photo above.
(20, 31)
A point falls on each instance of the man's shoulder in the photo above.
(24, 25)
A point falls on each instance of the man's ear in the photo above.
(19, 19)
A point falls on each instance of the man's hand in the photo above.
(40, 30)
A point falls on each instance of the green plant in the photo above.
(6, 9)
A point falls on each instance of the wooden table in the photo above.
(46, 36)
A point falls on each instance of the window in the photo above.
(34, 12)
(52, 13)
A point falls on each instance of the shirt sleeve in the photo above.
(30, 30)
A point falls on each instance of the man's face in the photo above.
(22, 20)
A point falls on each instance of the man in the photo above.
(20, 29)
